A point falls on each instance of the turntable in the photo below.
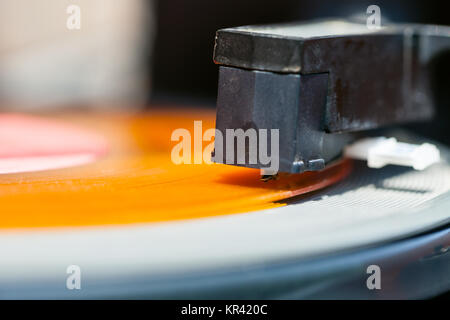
(94, 205)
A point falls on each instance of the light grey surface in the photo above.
(312, 30)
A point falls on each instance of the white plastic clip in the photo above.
(381, 151)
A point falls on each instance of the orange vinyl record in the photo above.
(114, 169)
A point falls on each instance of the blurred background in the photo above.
(134, 53)
(46, 63)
